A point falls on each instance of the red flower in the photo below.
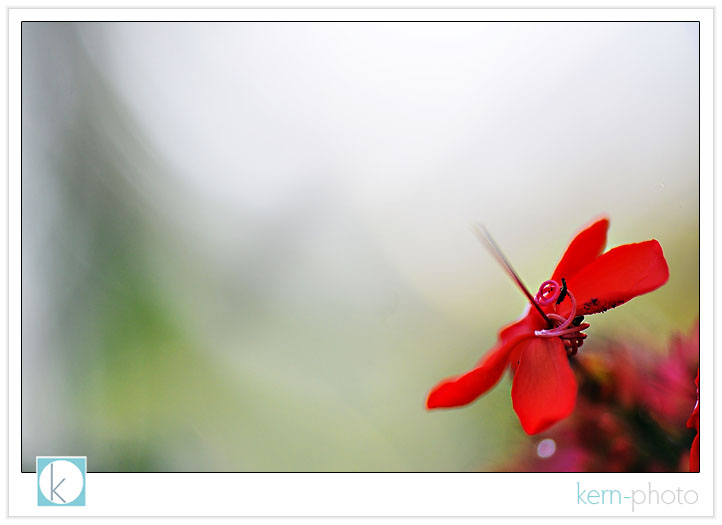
(538, 345)
(693, 422)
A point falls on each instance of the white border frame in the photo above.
(367, 494)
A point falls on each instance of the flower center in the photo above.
(569, 329)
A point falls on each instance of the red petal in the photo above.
(524, 326)
(586, 246)
(544, 389)
(693, 421)
(694, 455)
(529, 321)
(616, 277)
(465, 388)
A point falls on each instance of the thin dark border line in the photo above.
(21, 250)
(699, 197)
(7, 226)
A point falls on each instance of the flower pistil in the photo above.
(569, 329)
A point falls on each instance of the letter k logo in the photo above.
(54, 489)
(61, 480)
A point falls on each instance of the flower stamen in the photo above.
(566, 328)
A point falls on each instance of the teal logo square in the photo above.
(61, 480)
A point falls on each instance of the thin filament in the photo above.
(496, 252)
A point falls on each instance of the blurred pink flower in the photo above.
(631, 413)
(668, 389)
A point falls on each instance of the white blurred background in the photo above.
(247, 246)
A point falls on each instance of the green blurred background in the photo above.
(247, 247)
